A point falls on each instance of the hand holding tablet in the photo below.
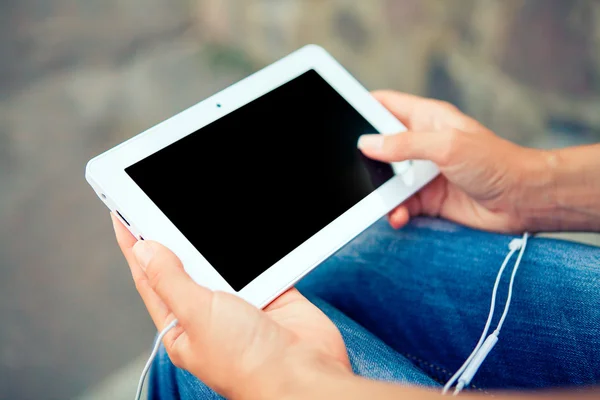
(255, 186)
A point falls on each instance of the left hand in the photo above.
(232, 346)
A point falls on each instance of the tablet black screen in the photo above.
(252, 186)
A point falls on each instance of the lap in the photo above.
(425, 291)
(411, 305)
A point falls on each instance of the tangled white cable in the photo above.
(467, 371)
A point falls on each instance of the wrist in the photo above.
(560, 190)
(536, 200)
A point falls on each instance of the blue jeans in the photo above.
(412, 303)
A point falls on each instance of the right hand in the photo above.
(486, 182)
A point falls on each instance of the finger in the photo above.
(160, 314)
(399, 217)
(126, 242)
(406, 107)
(432, 146)
(189, 301)
(423, 114)
(432, 197)
(413, 205)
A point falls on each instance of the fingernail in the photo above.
(143, 252)
(370, 142)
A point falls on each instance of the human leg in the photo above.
(425, 291)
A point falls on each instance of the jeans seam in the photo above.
(444, 371)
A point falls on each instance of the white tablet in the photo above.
(255, 186)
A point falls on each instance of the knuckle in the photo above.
(446, 106)
(155, 275)
(453, 140)
(392, 147)
(408, 143)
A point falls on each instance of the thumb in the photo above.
(431, 146)
(187, 300)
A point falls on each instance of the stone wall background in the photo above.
(79, 76)
(526, 68)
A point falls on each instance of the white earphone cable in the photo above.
(484, 346)
(159, 339)
(523, 244)
(450, 383)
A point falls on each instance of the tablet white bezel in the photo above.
(106, 173)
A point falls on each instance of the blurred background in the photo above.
(79, 76)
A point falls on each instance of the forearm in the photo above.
(323, 379)
(352, 387)
(564, 192)
(356, 388)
